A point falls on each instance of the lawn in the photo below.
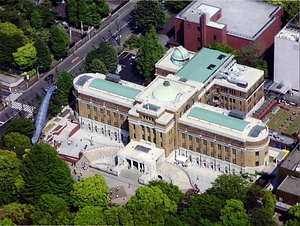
(278, 119)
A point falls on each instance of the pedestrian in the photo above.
(74, 171)
(78, 178)
(117, 196)
(80, 173)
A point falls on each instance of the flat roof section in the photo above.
(218, 119)
(290, 185)
(204, 64)
(114, 88)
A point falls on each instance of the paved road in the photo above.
(118, 27)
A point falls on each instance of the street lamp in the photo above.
(37, 71)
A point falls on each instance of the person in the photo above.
(117, 196)
(78, 178)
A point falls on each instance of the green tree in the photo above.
(51, 210)
(223, 48)
(227, 187)
(291, 8)
(59, 42)
(177, 6)
(150, 206)
(90, 215)
(18, 213)
(149, 53)
(234, 214)
(16, 140)
(65, 84)
(11, 38)
(72, 12)
(203, 206)
(132, 42)
(294, 216)
(25, 56)
(260, 217)
(45, 173)
(171, 190)
(48, 14)
(36, 20)
(21, 125)
(91, 191)
(118, 216)
(9, 174)
(5, 221)
(107, 54)
(154, 17)
(44, 58)
(97, 66)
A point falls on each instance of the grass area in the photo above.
(49, 127)
(275, 121)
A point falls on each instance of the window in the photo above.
(95, 108)
(233, 151)
(280, 199)
(212, 144)
(198, 28)
(143, 128)
(204, 142)
(211, 66)
(102, 120)
(183, 145)
(108, 122)
(191, 147)
(221, 57)
(257, 163)
(143, 136)
(219, 156)
(226, 158)
(101, 110)
(219, 146)
(197, 139)
(204, 152)
(234, 161)
(89, 116)
(197, 149)
(115, 124)
(121, 116)
(199, 39)
(257, 153)
(108, 112)
(226, 149)
(96, 118)
(190, 137)
(183, 135)
(189, 26)
(212, 154)
(148, 129)
(115, 114)
(88, 106)
(215, 37)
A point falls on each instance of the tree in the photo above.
(97, 66)
(21, 125)
(234, 214)
(18, 213)
(229, 187)
(16, 140)
(260, 217)
(91, 191)
(118, 216)
(59, 42)
(65, 84)
(107, 54)
(9, 173)
(48, 14)
(25, 56)
(132, 42)
(291, 8)
(150, 206)
(45, 173)
(149, 53)
(90, 215)
(154, 17)
(223, 48)
(294, 216)
(11, 38)
(44, 58)
(36, 20)
(203, 206)
(177, 6)
(171, 190)
(51, 210)
(5, 221)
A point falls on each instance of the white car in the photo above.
(135, 56)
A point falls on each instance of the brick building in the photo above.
(175, 112)
(235, 23)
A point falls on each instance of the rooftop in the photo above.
(292, 161)
(203, 116)
(290, 185)
(237, 15)
(291, 31)
(203, 65)
(95, 85)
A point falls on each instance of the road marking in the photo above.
(76, 58)
(76, 64)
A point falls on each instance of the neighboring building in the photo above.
(235, 23)
(287, 192)
(287, 55)
(174, 112)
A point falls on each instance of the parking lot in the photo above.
(127, 60)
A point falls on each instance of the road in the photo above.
(117, 28)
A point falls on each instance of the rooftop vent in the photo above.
(166, 83)
(113, 78)
(211, 66)
(183, 80)
(237, 114)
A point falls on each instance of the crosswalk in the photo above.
(22, 107)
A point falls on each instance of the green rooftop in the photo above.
(114, 88)
(203, 65)
(218, 119)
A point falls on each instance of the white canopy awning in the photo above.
(181, 158)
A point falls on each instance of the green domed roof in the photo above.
(166, 92)
(180, 56)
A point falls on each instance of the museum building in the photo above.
(199, 105)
